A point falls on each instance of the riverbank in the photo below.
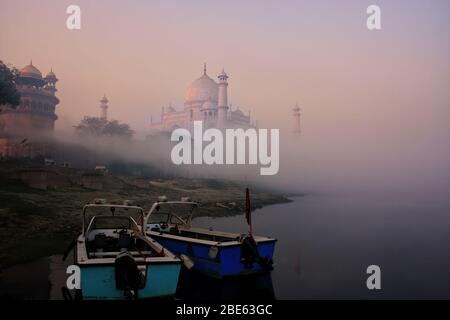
(36, 222)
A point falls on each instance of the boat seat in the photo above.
(100, 242)
(124, 241)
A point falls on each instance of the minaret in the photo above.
(222, 100)
(51, 82)
(104, 108)
(296, 114)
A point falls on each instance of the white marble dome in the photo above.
(201, 90)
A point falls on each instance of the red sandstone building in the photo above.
(26, 129)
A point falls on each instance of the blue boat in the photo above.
(117, 260)
(214, 253)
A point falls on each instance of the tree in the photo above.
(116, 129)
(97, 127)
(90, 126)
(8, 93)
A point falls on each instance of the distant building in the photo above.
(296, 116)
(103, 115)
(104, 108)
(23, 130)
(101, 169)
(206, 100)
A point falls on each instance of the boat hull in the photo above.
(98, 281)
(226, 263)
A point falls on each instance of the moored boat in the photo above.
(215, 253)
(117, 260)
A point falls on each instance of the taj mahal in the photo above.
(204, 100)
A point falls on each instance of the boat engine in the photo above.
(128, 277)
(250, 254)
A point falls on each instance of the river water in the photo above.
(325, 244)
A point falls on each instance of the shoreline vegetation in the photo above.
(40, 208)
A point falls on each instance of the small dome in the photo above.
(222, 75)
(208, 104)
(238, 111)
(30, 71)
(51, 75)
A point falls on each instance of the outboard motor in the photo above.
(250, 254)
(128, 277)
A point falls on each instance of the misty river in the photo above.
(325, 244)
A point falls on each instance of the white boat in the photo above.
(117, 260)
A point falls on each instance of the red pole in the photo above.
(248, 213)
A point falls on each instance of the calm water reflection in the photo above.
(326, 242)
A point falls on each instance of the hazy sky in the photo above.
(374, 88)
